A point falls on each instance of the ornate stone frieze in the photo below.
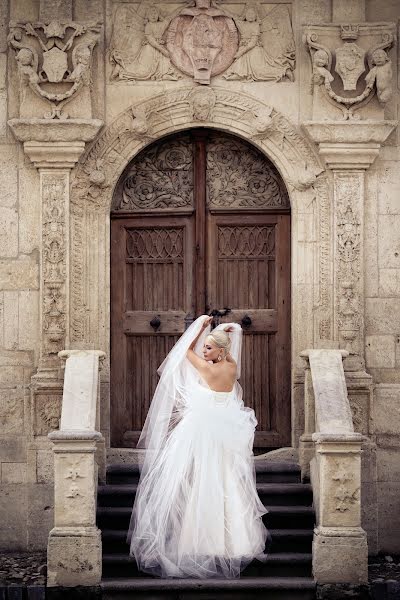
(202, 39)
(349, 193)
(53, 60)
(361, 63)
(54, 187)
(322, 200)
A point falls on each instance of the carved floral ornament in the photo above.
(249, 41)
(104, 161)
(362, 54)
(53, 59)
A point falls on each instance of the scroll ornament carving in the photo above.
(350, 65)
(202, 39)
(54, 263)
(53, 60)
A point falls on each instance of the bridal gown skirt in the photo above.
(197, 512)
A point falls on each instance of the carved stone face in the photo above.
(251, 15)
(25, 57)
(152, 14)
(203, 3)
(320, 58)
(379, 58)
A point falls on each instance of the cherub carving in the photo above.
(259, 31)
(381, 75)
(321, 67)
(143, 56)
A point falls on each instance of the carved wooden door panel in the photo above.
(249, 273)
(200, 222)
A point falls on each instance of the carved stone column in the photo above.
(349, 148)
(54, 147)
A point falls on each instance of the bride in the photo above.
(196, 511)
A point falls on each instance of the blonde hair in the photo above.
(221, 339)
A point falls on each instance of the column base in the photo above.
(74, 556)
(340, 555)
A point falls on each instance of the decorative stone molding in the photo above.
(349, 145)
(54, 148)
(349, 148)
(100, 168)
(343, 90)
(54, 54)
(202, 39)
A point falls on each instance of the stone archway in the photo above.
(272, 133)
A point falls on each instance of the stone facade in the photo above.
(88, 84)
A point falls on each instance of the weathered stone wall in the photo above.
(30, 408)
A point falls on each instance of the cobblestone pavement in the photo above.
(30, 569)
(384, 567)
(23, 569)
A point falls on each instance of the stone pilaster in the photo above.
(54, 147)
(349, 148)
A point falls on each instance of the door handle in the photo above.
(246, 321)
(155, 323)
(217, 314)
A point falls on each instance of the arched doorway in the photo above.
(200, 222)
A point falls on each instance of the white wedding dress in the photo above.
(196, 511)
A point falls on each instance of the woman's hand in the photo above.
(229, 328)
(207, 322)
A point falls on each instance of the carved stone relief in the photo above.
(47, 413)
(346, 492)
(202, 41)
(350, 61)
(348, 198)
(247, 42)
(54, 261)
(53, 59)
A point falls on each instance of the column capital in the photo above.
(349, 144)
(52, 144)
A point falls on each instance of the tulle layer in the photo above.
(197, 512)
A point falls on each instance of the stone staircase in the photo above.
(285, 576)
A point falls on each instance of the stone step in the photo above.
(245, 588)
(270, 494)
(283, 564)
(299, 517)
(266, 472)
(282, 540)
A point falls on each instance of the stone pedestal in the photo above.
(74, 546)
(340, 549)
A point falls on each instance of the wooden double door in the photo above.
(200, 223)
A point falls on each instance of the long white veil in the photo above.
(176, 377)
(196, 450)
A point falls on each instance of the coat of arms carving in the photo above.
(244, 41)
